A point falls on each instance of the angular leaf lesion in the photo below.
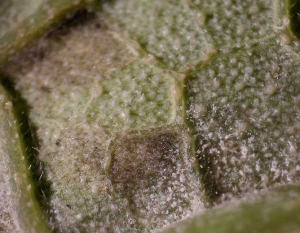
(155, 173)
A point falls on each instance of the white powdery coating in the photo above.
(170, 30)
(155, 173)
(245, 111)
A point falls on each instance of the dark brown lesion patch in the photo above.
(149, 169)
(143, 161)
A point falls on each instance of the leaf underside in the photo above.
(133, 115)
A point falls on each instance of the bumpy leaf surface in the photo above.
(137, 114)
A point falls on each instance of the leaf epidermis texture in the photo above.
(148, 112)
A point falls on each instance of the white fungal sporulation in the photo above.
(245, 137)
(153, 171)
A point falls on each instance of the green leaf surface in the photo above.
(274, 211)
(96, 116)
(19, 209)
(23, 21)
(137, 114)
(237, 24)
(170, 30)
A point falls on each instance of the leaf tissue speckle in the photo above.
(149, 116)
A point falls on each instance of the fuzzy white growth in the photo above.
(249, 122)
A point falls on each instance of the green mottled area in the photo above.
(162, 29)
(238, 23)
(138, 96)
